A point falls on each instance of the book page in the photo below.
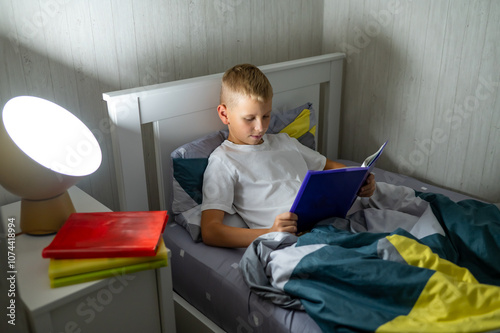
(372, 158)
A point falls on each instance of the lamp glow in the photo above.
(44, 150)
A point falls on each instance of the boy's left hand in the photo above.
(369, 187)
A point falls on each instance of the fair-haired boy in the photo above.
(254, 174)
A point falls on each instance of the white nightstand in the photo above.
(139, 302)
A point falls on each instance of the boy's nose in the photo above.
(258, 125)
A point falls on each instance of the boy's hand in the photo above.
(285, 222)
(369, 187)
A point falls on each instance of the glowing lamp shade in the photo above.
(44, 150)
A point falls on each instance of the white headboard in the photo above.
(184, 110)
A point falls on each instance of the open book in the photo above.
(330, 193)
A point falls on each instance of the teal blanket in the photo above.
(403, 261)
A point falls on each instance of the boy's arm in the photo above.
(215, 233)
(333, 165)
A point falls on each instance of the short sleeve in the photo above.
(218, 186)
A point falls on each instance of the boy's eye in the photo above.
(253, 118)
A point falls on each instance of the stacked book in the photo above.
(91, 246)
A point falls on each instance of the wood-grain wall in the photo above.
(71, 51)
(425, 75)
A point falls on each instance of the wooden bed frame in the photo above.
(184, 110)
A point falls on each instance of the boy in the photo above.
(254, 174)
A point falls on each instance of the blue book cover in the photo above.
(330, 193)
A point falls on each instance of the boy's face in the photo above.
(247, 120)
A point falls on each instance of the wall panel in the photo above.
(425, 75)
(70, 51)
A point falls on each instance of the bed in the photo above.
(161, 131)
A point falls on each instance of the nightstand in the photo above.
(138, 302)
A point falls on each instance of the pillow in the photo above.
(299, 123)
(190, 160)
(188, 166)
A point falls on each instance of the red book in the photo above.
(108, 235)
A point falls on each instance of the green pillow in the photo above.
(188, 172)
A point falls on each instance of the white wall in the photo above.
(425, 75)
(71, 51)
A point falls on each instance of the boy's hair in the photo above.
(245, 80)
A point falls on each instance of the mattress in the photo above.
(209, 277)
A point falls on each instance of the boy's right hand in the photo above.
(285, 222)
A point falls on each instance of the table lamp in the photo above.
(44, 150)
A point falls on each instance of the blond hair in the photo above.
(245, 80)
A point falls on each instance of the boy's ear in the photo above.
(222, 111)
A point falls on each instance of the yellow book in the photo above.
(105, 273)
(59, 268)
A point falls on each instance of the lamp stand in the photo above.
(42, 217)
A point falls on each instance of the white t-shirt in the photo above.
(258, 182)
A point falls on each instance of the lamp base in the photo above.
(42, 217)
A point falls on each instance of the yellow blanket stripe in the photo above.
(452, 300)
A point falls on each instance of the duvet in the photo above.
(402, 261)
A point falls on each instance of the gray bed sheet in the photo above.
(209, 278)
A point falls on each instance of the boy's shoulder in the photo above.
(281, 139)
(279, 136)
